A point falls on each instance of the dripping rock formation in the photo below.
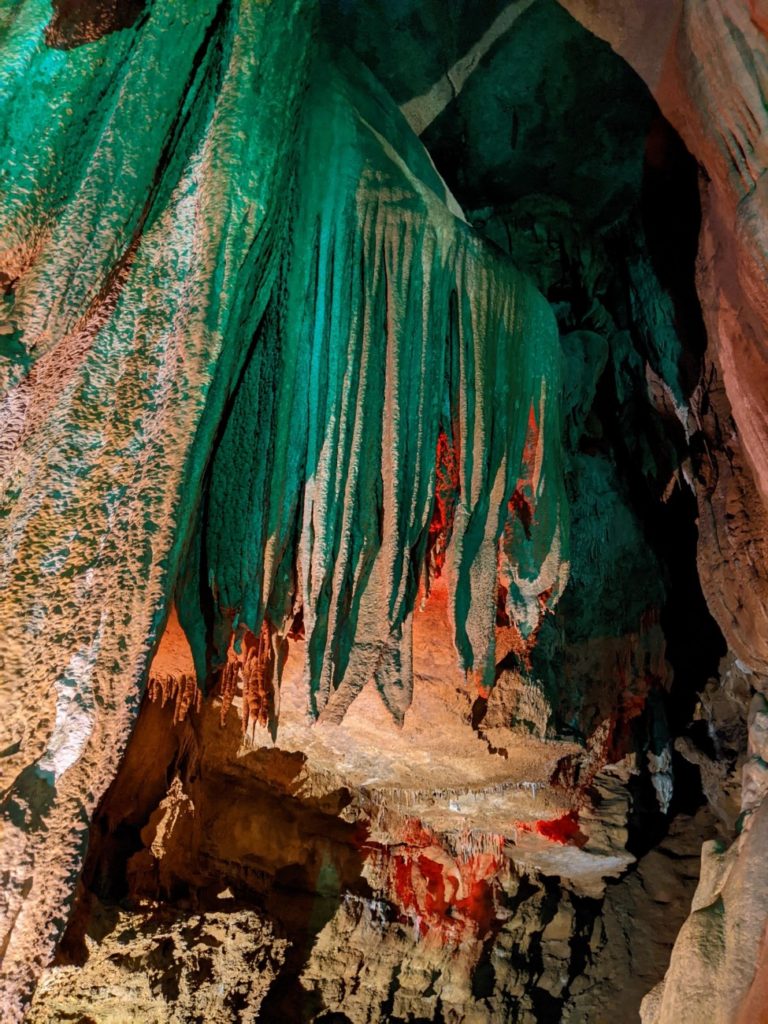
(384, 511)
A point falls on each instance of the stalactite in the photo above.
(446, 498)
(258, 668)
(383, 425)
(181, 689)
(229, 684)
(236, 337)
(250, 675)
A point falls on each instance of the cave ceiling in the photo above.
(510, 100)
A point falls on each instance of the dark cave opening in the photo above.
(671, 213)
(649, 215)
(671, 218)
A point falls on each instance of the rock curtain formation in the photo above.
(365, 503)
(252, 357)
(140, 241)
(393, 341)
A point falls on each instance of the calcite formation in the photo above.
(209, 967)
(138, 248)
(396, 336)
(355, 623)
(206, 384)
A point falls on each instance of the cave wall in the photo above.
(706, 65)
(116, 397)
(139, 247)
(271, 395)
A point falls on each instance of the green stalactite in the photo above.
(327, 459)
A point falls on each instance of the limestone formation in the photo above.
(384, 511)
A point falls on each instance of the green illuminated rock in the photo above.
(391, 322)
(240, 314)
(140, 236)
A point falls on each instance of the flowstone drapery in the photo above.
(392, 330)
(240, 320)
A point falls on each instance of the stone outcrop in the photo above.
(152, 964)
(716, 967)
(472, 931)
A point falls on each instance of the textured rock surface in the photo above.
(114, 393)
(706, 64)
(386, 526)
(639, 920)
(473, 932)
(716, 970)
(137, 251)
(153, 965)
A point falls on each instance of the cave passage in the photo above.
(368, 415)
